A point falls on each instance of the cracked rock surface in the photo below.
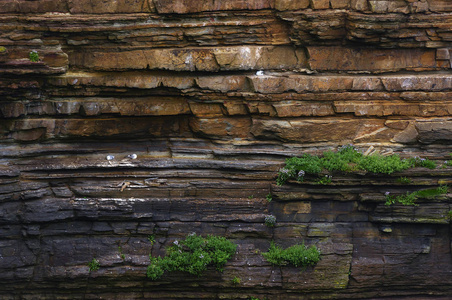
(148, 120)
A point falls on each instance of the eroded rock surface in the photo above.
(162, 118)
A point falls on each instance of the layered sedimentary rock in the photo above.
(162, 118)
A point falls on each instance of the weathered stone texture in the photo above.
(167, 117)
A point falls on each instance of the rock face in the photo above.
(160, 118)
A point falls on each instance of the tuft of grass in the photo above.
(407, 199)
(93, 265)
(269, 197)
(270, 220)
(448, 162)
(298, 255)
(410, 198)
(121, 254)
(192, 256)
(33, 56)
(422, 162)
(405, 180)
(346, 159)
(324, 180)
(236, 280)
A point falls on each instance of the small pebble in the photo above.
(260, 73)
(110, 157)
(132, 156)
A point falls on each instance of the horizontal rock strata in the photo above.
(149, 120)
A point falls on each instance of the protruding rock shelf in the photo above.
(148, 120)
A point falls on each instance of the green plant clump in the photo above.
(269, 197)
(297, 255)
(346, 159)
(405, 180)
(192, 255)
(407, 199)
(93, 265)
(324, 180)
(236, 280)
(33, 56)
(422, 162)
(410, 198)
(384, 164)
(121, 254)
(270, 220)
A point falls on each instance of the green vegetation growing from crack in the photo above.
(410, 198)
(448, 162)
(33, 56)
(236, 280)
(346, 159)
(192, 255)
(121, 254)
(405, 180)
(269, 197)
(93, 265)
(298, 255)
(270, 220)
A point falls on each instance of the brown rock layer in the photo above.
(165, 117)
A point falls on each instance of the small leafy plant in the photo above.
(448, 162)
(93, 265)
(298, 255)
(404, 180)
(269, 197)
(151, 238)
(236, 280)
(324, 180)
(192, 255)
(270, 220)
(121, 254)
(33, 56)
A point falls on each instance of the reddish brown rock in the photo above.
(198, 59)
(191, 6)
(221, 127)
(440, 5)
(309, 131)
(291, 5)
(323, 59)
(339, 3)
(320, 4)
